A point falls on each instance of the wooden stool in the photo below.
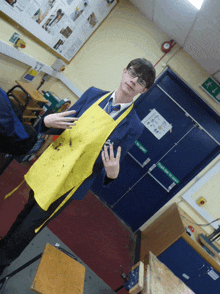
(26, 97)
(58, 273)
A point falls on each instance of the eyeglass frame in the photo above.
(135, 75)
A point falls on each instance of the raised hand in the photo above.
(60, 120)
(110, 162)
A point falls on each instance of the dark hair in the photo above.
(145, 68)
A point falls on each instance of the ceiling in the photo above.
(196, 31)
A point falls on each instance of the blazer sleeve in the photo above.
(10, 144)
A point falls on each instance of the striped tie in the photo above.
(111, 108)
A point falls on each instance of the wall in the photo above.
(11, 69)
(32, 48)
(125, 34)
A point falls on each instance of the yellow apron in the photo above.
(68, 161)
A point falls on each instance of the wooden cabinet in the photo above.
(167, 239)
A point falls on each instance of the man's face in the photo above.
(130, 85)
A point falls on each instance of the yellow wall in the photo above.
(124, 35)
(213, 201)
(32, 48)
(11, 69)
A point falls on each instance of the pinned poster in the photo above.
(33, 72)
(156, 124)
(62, 25)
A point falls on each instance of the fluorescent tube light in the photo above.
(196, 3)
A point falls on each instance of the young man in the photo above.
(67, 169)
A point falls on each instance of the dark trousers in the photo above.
(23, 229)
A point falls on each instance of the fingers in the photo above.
(66, 113)
(66, 122)
(111, 152)
(118, 155)
(110, 156)
(106, 153)
(64, 125)
(68, 119)
(60, 120)
(103, 157)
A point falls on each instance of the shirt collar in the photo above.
(123, 105)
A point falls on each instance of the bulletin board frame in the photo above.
(60, 26)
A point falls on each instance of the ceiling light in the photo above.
(196, 3)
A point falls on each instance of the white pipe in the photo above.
(26, 59)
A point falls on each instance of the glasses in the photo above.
(133, 75)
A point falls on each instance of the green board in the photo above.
(141, 147)
(168, 173)
(212, 88)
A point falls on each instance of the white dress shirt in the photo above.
(114, 113)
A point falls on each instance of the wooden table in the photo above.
(159, 279)
(167, 229)
(27, 98)
(31, 91)
(58, 273)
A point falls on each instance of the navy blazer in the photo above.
(124, 135)
(10, 125)
(16, 137)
